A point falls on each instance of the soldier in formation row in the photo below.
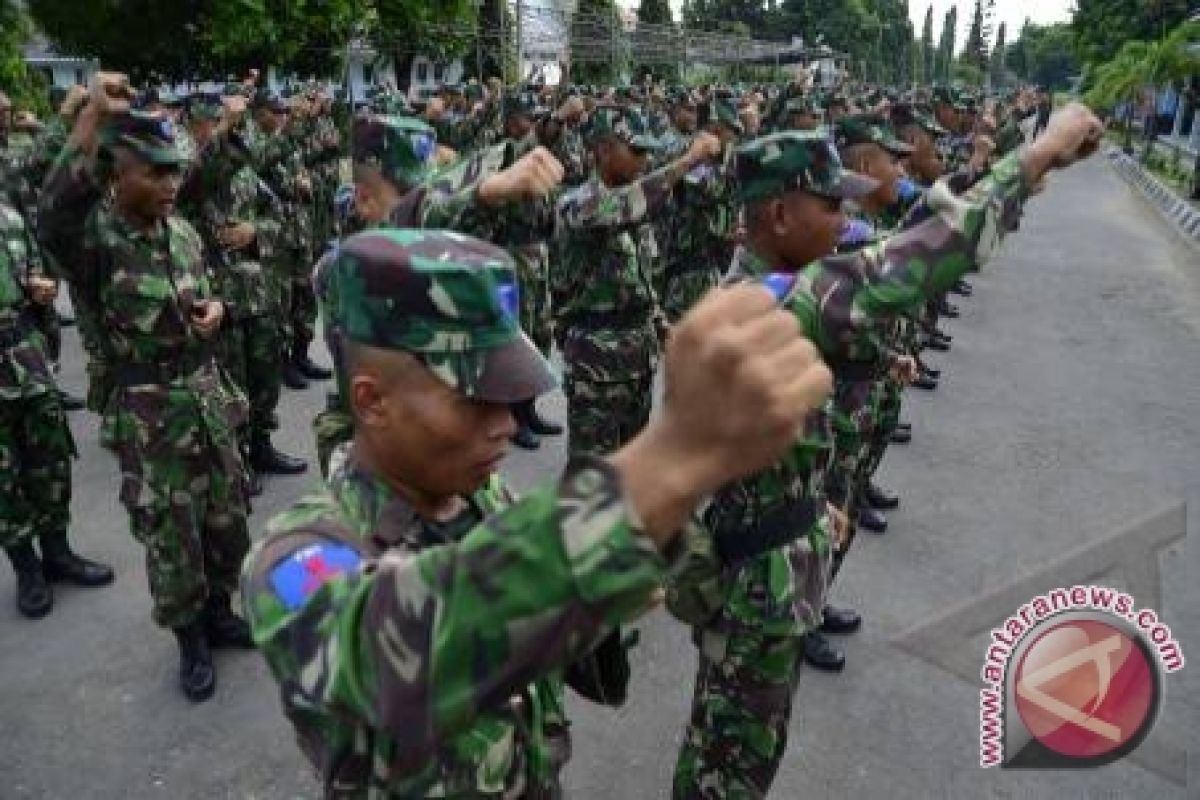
(422, 620)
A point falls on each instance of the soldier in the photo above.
(602, 287)
(417, 552)
(171, 415)
(35, 443)
(394, 185)
(279, 164)
(751, 642)
(699, 246)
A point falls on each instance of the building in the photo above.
(58, 69)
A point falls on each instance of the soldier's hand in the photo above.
(571, 110)
(1073, 134)
(435, 109)
(705, 147)
(235, 105)
(74, 99)
(42, 291)
(110, 93)
(840, 525)
(982, 149)
(237, 236)
(533, 175)
(740, 381)
(904, 369)
(207, 316)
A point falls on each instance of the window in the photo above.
(79, 79)
(422, 71)
(369, 74)
(437, 72)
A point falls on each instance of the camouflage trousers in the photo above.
(184, 487)
(683, 289)
(301, 305)
(532, 275)
(741, 709)
(252, 354)
(854, 428)
(35, 468)
(890, 399)
(45, 321)
(603, 416)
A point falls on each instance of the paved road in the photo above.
(1069, 408)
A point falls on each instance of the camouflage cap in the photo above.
(400, 147)
(269, 98)
(526, 103)
(945, 95)
(204, 105)
(725, 112)
(148, 136)
(791, 160)
(904, 114)
(449, 299)
(868, 129)
(627, 124)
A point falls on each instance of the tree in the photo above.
(595, 57)
(928, 54)
(1043, 55)
(657, 48)
(975, 51)
(945, 51)
(24, 88)
(1100, 28)
(996, 66)
(655, 12)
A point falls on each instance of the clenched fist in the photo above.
(533, 175)
(705, 147)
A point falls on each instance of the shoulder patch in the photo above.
(780, 284)
(298, 576)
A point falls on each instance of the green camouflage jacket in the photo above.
(278, 160)
(138, 288)
(706, 214)
(24, 370)
(839, 303)
(603, 282)
(414, 657)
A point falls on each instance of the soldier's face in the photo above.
(685, 118)
(426, 436)
(807, 226)
(518, 126)
(143, 191)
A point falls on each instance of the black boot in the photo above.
(935, 343)
(923, 381)
(65, 320)
(840, 620)
(223, 627)
(877, 497)
(902, 435)
(949, 311)
(34, 596)
(70, 402)
(254, 483)
(60, 563)
(309, 368)
(872, 520)
(292, 378)
(537, 423)
(266, 460)
(197, 676)
(932, 372)
(963, 288)
(821, 653)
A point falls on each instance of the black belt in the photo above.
(143, 373)
(782, 523)
(623, 318)
(856, 370)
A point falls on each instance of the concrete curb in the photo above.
(1182, 215)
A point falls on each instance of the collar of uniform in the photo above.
(748, 264)
(155, 236)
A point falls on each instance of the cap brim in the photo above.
(897, 147)
(515, 372)
(853, 185)
(647, 144)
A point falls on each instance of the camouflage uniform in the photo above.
(170, 414)
(750, 645)
(278, 161)
(700, 244)
(400, 148)
(251, 343)
(461, 625)
(602, 291)
(35, 442)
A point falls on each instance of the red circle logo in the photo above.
(1085, 688)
